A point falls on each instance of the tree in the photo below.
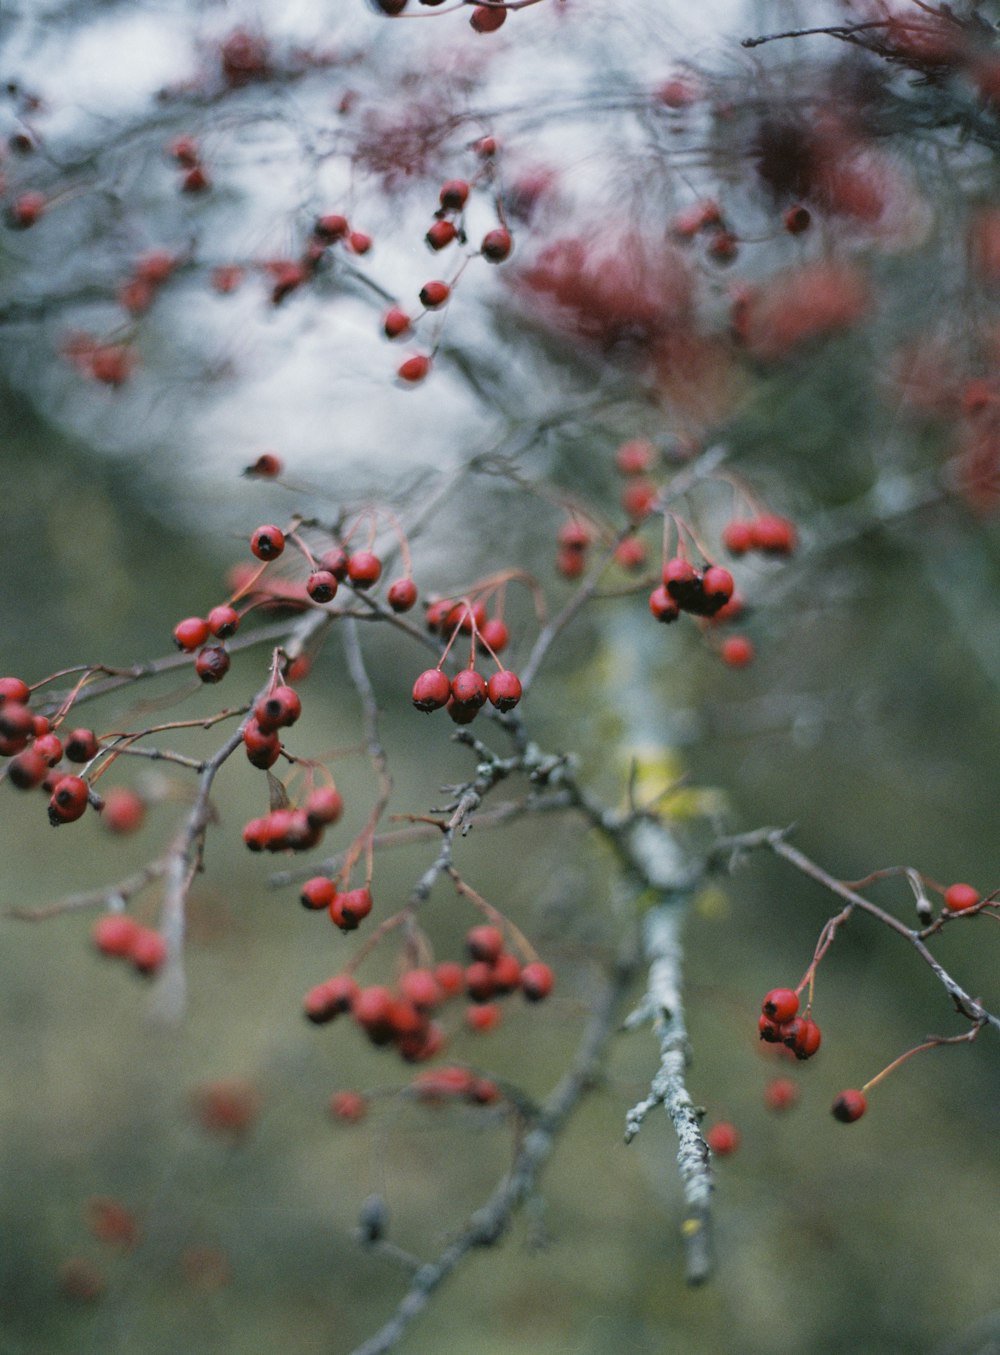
(616, 411)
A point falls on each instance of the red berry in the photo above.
(185, 151)
(506, 973)
(348, 909)
(212, 663)
(662, 605)
(16, 721)
(635, 458)
(780, 1005)
(537, 981)
(330, 998)
(28, 768)
(114, 933)
(504, 689)
(738, 537)
(774, 535)
(191, 634)
(421, 988)
(223, 621)
(148, 950)
(335, 562)
(124, 810)
(434, 294)
(486, 147)
(267, 466)
(277, 709)
(571, 563)
(68, 801)
(48, 746)
(468, 688)
(81, 745)
(771, 1031)
(414, 369)
(402, 595)
(372, 1008)
(630, 554)
(484, 943)
(440, 234)
(723, 1138)
(737, 651)
(395, 323)
(486, 1016)
(497, 243)
(324, 805)
(348, 1107)
(959, 897)
(454, 195)
(331, 227)
(195, 180)
(364, 568)
(359, 242)
(803, 1037)
(25, 210)
(255, 834)
(479, 981)
(14, 689)
(781, 1093)
(263, 747)
(450, 977)
(487, 19)
(639, 499)
(461, 715)
(718, 585)
(318, 893)
(574, 535)
(431, 690)
(797, 219)
(267, 542)
(493, 632)
(849, 1106)
(723, 247)
(682, 581)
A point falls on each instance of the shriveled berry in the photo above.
(849, 1106)
(267, 542)
(537, 981)
(223, 621)
(504, 689)
(958, 897)
(212, 663)
(191, 633)
(364, 568)
(68, 801)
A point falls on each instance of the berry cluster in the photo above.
(295, 829)
(686, 589)
(780, 1024)
(118, 935)
(768, 533)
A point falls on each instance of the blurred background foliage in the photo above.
(869, 720)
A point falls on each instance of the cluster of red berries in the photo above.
(485, 18)
(768, 533)
(150, 272)
(118, 935)
(402, 1016)
(347, 909)
(298, 829)
(35, 751)
(464, 695)
(110, 364)
(686, 589)
(446, 616)
(706, 217)
(634, 461)
(185, 153)
(780, 1024)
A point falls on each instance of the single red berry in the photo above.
(277, 709)
(317, 893)
(662, 605)
(958, 897)
(348, 1107)
(571, 563)
(68, 801)
(497, 243)
(81, 745)
(440, 235)
(781, 1094)
(723, 1138)
(797, 219)
(324, 805)
(630, 554)
(191, 633)
(330, 998)
(322, 586)
(16, 722)
(772, 1032)
(639, 499)
(479, 982)
(483, 1091)
(468, 688)
(335, 562)
(364, 568)
(372, 1008)
(24, 211)
(722, 247)
(504, 689)
(738, 537)
(483, 1017)
(148, 950)
(14, 689)
(331, 227)
(29, 768)
(450, 977)
(185, 151)
(421, 988)
(635, 458)
(717, 585)
(463, 617)
(484, 943)
(493, 632)
(266, 467)
(682, 581)
(395, 323)
(849, 1106)
(223, 621)
(402, 595)
(352, 907)
(114, 933)
(803, 1037)
(434, 294)
(737, 651)
(780, 1005)
(486, 147)
(155, 266)
(414, 369)
(537, 981)
(124, 810)
(506, 973)
(487, 19)
(212, 663)
(359, 242)
(195, 180)
(263, 747)
(461, 715)
(454, 195)
(574, 535)
(48, 746)
(267, 542)
(255, 834)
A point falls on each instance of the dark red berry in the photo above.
(263, 747)
(402, 595)
(16, 721)
(81, 745)
(223, 621)
(277, 709)
(479, 981)
(212, 663)
(267, 542)
(28, 768)
(683, 582)
(797, 219)
(468, 688)
(364, 568)
(434, 294)
(454, 195)
(331, 228)
(335, 562)
(414, 369)
(504, 689)
(497, 243)
(487, 19)
(185, 151)
(537, 981)
(266, 467)
(14, 689)
(195, 180)
(69, 800)
(348, 909)
(506, 973)
(849, 1106)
